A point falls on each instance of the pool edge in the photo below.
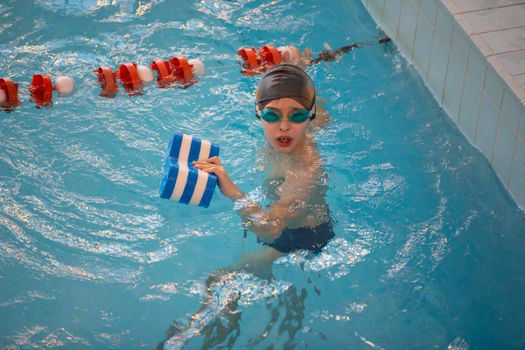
(469, 81)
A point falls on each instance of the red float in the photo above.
(11, 92)
(129, 77)
(164, 73)
(41, 90)
(108, 81)
(270, 55)
(182, 71)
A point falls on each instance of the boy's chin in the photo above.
(282, 149)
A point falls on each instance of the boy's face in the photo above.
(283, 135)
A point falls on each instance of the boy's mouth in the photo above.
(284, 141)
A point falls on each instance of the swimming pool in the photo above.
(428, 249)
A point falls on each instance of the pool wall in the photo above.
(482, 95)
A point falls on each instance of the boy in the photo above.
(299, 218)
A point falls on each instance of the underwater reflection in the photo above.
(219, 318)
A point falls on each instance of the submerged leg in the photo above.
(218, 317)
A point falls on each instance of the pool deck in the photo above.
(471, 56)
(497, 27)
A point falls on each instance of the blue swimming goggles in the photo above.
(272, 116)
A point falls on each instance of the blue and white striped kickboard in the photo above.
(181, 181)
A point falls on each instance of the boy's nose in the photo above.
(284, 125)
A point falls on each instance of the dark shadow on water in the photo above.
(292, 302)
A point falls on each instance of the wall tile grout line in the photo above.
(415, 32)
(497, 30)
(399, 19)
(483, 93)
(446, 70)
(463, 88)
(488, 9)
(431, 43)
(506, 52)
(512, 160)
(433, 22)
(477, 118)
(514, 151)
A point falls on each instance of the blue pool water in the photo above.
(429, 247)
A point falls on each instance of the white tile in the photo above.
(513, 61)
(477, 65)
(511, 110)
(429, 10)
(505, 40)
(517, 176)
(391, 14)
(468, 119)
(487, 124)
(503, 152)
(444, 24)
(496, 19)
(521, 131)
(494, 87)
(460, 45)
(474, 5)
(453, 88)
(437, 68)
(506, 135)
(407, 27)
(422, 45)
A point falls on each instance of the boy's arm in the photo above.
(267, 225)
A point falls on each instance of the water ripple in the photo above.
(39, 337)
(336, 259)
(241, 287)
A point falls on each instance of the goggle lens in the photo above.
(272, 116)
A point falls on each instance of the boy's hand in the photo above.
(213, 165)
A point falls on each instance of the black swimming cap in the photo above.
(285, 80)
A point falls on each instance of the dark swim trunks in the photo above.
(313, 239)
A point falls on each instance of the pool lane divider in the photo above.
(177, 71)
(256, 61)
(183, 182)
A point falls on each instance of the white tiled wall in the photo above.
(471, 54)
